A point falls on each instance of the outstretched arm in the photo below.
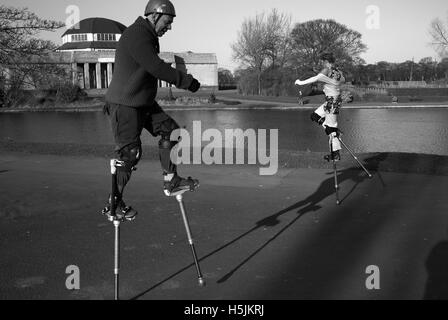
(320, 77)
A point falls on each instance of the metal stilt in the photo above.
(336, 186)
(355, 157)
(179, 198)
(335, 170)
(116, 220)
(117, 259)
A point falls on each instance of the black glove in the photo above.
(330, 130)
(194, 86)
(317, 118)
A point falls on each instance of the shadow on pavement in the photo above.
(310, 204)
(305, 206)
(437, 268)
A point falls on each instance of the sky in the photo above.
(393, 30)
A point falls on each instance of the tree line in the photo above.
(427, 69)
(272, 54)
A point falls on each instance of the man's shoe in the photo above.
(122, 212)
(179, 184)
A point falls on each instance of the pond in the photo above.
(414, 130)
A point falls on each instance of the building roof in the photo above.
(189, 57)
(89, 45)
(96, 25)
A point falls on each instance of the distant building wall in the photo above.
(206, 74)
(94, 69)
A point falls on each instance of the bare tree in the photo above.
(310, 39)
(18, 43)
(439, 33)
(261, 40)
(251, 48)
(18, 28)
(278, 27)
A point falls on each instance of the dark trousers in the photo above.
(127, 125)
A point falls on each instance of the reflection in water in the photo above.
(365, 130)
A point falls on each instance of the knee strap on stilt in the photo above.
(165, 147)
(130, 156)
(166, 143)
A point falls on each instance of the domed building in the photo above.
(88, 54)
(92, 34)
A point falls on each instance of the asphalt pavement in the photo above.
(278, 237)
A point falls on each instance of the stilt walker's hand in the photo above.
(194, 86)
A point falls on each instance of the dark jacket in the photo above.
(138, 68)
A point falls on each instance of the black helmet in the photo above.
(160, 6)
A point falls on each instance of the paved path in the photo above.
(279, 237)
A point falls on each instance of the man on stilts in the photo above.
(131, 102)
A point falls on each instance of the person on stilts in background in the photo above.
(327, 114)
(131, 105)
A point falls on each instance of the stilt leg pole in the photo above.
(116, 221)
(335, 171)
(179, 198)
(117, 259)
(355, 157)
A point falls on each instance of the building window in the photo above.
(105, 37)
(79, 37)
